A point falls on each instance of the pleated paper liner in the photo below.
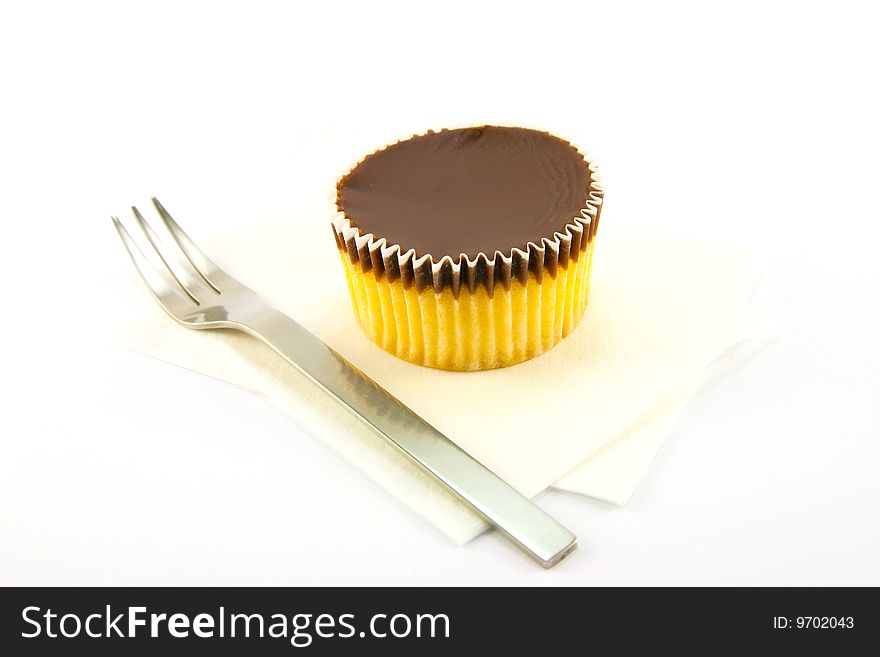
(471, 314)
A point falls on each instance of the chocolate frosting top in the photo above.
(469, 190)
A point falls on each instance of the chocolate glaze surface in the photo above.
(469, 190)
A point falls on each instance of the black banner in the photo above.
(166, 621)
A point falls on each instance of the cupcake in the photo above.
(469, 249)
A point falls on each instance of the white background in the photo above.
(754, 123)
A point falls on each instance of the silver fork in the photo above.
(198, 294)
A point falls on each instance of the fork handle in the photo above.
(522, 521)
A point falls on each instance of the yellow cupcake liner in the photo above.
(473, 331)
(471, 313)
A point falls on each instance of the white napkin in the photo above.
(661, 309)
(614, 471)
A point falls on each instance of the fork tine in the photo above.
(202, 263)
(184, 280)
(169, 299)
